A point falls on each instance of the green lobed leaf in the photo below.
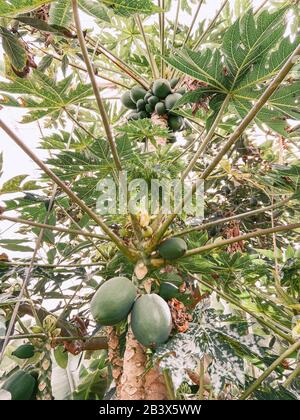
(128, 8)
(12, 8)
(14, 49)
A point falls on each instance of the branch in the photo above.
(119, 63)
(118, 242)
(254, 234)
(207, 138)
(229, 219)
(78, 67)
(91, 73)
(152, 62)
(55, 228)
(67, 329)
(292, 376)
(192, 23)
(27, 279)
(176, 22)
(211, 25)
(161, 5)
(270, 369)
(54, 266)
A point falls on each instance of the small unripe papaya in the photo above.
(127, 101)
(168, 291)
(172, 99)
(133, 116)
(153, 100)
(174, 82)
(137, 93)
(140, 105)
(172, 248)
(149, 108)
(181, 91)
(143, 115)
(160, 108)
(25, 351)
(161, 88)
(175, 122)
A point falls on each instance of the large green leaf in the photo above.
(283, 104)
(11, 8)
(221, 337)
(60, 13)
(252, 52)
(13, 48)
(248, 40)
(94, 8)
(205, 66)
(43, 96)
(130, 7)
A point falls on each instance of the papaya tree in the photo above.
(105, 292)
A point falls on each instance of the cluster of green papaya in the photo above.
(160, 99)
(151, 319)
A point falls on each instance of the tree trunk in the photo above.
(44, 380)
(132, 381)
(115, 357)
(161, 121)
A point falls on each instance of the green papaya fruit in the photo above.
(151, 320)
(133, 116)
(174, 82)
(127, 101)
(149, 108)
(181, 91)
(175, 122)
(21, 385)
(26, 351)
(113, 301)
(153, 100)
(143, 115)
(173, 278)
(140, 105)
(171, 139)
(161, 88)
(172, 99)
(160, 108)
(168, 291)
(172, 248)
(147, 96)
(137, 93)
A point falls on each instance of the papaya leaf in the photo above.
(15, 245)
(61, 357)
(95, 9)
(223, 338)
(15, 185)
(61, 13)
(13, 48)
(248, 40)
(128, 8)
(43, 96)
(253, 50)
(12, 8)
